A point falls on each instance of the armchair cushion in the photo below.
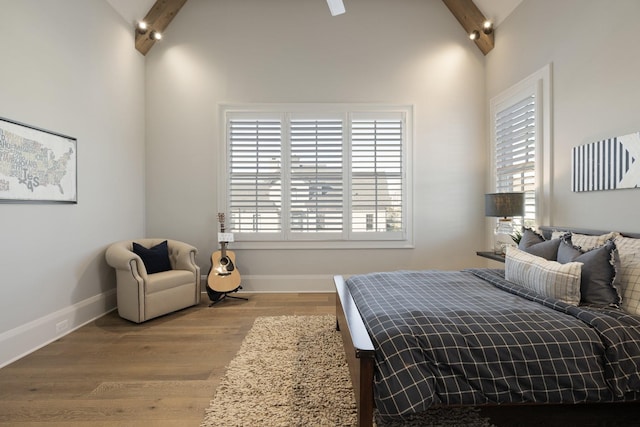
(155, 259)
(168, 279)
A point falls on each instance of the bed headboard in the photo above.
(546, 231)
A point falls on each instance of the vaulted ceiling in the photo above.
(471, 15)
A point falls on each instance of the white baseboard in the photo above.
(27, 338)
(285, 283)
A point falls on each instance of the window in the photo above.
(376, 174)
(316, 175)
(255, 184)
(520, 123)
(515, 151)
(306, 173)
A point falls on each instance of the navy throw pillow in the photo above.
(155, 259)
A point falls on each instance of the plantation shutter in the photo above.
(316, 175)
(377, 173)
(515, 151)
(255, 183)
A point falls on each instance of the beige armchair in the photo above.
(143, 296)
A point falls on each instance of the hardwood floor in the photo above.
(164, 372)
(160, 373)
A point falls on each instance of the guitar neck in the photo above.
(223, 245)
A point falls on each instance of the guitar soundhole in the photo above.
(226, 262)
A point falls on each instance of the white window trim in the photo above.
(362, 240)
(540, 84)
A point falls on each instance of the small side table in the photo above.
(491, 255)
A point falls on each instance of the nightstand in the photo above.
(491, 255)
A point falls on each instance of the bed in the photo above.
(419, 339)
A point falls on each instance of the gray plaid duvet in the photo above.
(470, 337)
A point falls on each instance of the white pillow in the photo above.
(558, 234)
(587, 242)
(629, 253)
(547, 278)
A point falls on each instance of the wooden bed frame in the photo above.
(359, 348)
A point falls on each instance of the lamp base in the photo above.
(502, 236)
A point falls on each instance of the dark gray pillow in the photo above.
(535, 244)
(598, 285)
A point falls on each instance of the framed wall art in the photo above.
(610, 164)
(36, 165)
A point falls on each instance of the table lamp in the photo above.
(504, 206)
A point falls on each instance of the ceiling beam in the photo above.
(158, 19)
(471, 19)
(163, 12)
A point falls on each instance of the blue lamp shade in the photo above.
(504, 205)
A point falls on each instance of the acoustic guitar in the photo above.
(224, 276)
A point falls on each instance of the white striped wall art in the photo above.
(609, 164)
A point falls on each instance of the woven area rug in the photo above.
(292, 371)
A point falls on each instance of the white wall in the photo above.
(278, 51)
(69, 66)
(593, 48)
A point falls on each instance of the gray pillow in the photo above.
(535, 244)
(598, 285)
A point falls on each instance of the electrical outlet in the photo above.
(62, 326)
